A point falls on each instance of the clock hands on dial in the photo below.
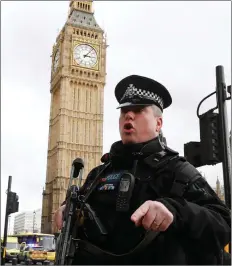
(88, 53)
(89, 56)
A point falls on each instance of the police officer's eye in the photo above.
(123, 111)
(139, 110)
(134, 110)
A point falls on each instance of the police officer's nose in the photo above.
(129, 115)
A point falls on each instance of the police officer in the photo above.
(174, 217)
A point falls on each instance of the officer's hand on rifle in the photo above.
(153, 215)
(58, 216)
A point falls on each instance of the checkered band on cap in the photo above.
(132, 92)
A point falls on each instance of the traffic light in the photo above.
(192, 152)
(12, 202)
(210, 139)
(209, 150)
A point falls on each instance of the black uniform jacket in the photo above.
(201, 225)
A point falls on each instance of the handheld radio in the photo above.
(126, 188)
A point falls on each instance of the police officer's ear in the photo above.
(159, 123)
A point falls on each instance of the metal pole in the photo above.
(224, 134)
(6, 221)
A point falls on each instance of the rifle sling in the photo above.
(96, 251)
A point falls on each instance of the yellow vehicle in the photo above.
(12, 248)
(51, 255)
(43, 241)
(30, 254)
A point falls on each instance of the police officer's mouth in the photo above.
(128, 127)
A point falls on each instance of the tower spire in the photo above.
(218, 187)
(84, 5)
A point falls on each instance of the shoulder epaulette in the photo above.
(105, 158)
(171, 151)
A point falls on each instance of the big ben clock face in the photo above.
(85, 55)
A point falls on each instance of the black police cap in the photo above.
(138, 90)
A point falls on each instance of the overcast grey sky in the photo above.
(176, 43)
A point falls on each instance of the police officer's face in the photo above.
(138, 124)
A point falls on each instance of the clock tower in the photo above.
(76, 111)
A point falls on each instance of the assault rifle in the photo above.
(76, 211)
(64, 241)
